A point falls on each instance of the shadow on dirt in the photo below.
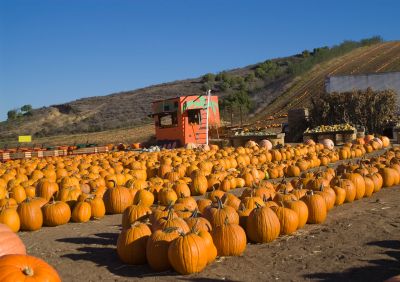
(377, 270)
(103, 253)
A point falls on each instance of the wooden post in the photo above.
(231, 108)
(241, 116)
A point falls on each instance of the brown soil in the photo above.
(358, 242)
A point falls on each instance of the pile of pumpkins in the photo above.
(16, 265)
(56, 190)
(187, 234)
(163, 222)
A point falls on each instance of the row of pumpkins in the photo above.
(165, 236)
(222, 224)
(54, 191)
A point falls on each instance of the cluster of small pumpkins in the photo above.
(55, 190)
(187, 235)
(16, 265)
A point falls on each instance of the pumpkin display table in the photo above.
(338, 133)
(240, 140)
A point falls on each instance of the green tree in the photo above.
(223, 86)
(12, 114)
(239, 98)
(207, 85)
(305, 54)
(250, 77)
(209, 77)
(222, 76)
(260, 72)
(26, 108)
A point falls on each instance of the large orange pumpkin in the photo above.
(19, 267)
(131, 243)
(117, 200)
(188, 254)
(31, 215)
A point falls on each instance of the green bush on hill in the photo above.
(325, 53)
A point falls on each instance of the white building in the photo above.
(376, 81)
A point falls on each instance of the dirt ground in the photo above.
(358, 242)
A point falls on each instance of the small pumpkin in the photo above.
(134, 213)
(210, 246)
(98, 209)
(288, 219)
(300, 208)
(10, 217)
(82, 212)
(218, 213)
(171, 220)
(198, 222)
(144, 197)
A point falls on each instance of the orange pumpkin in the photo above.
(19, 267)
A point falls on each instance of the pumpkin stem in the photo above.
(170, 229)
(28, 271)
(220, 204)
(170, 214)
(194, 227)
(195, 213)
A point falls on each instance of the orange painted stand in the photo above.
(183, 119)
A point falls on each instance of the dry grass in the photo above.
(130, 135)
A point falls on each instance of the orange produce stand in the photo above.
(184, 119)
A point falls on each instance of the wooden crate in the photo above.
(90, 150)
(20, 155)
(4, 156)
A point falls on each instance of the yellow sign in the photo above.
(24, 139)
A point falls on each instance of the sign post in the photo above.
(208, 107)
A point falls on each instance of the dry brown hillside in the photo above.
(273, 91)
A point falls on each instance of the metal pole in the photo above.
(208, 105)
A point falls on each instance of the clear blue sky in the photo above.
(59, 50)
